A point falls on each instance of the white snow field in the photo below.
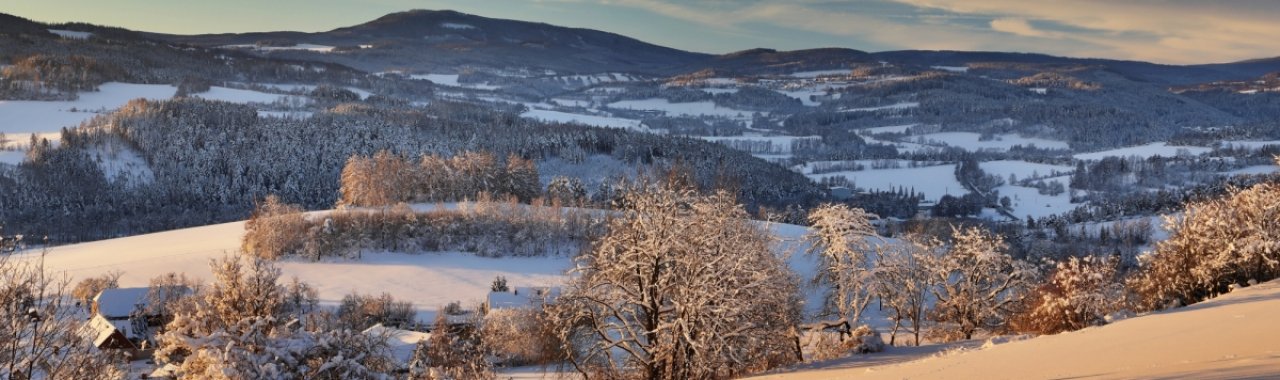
(895, 106)
(235, 95)
(1146, 151)
(598, 121)
(19, 118)
(933, 181)
(71, 34)
(429, 280)
(1234, 336)
(970, 141)
(1023, 169)
(693, 109)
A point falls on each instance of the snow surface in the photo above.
(1232, 336)
(428, 280)
(452, 80)
(888, 129)
(71, 34)
(599, 121)
(954, 69)
(933, 181)
(780, 143)
(12, 157)
(306, 47)
(235, 95)
(1029, 201)
(895, 106)
(19, 118)
(456, 26)
(1022, 169)
(819, 73)
(970, 141)
(683, 109)
(1251, 145)
(1256, 169)
(1145, 151)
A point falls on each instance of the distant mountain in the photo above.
(1135, 70)
(446, 40)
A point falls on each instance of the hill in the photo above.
(1232, 336)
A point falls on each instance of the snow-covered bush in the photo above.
(239, 328)
(488, 228)
(362, 311)
(903, 281)
(1079, 293)
(452, 353)
(1214, 244)
(386, 179)
(522, 336)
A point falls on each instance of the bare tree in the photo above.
(839, 238)
(681, 287)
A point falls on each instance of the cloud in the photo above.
(1169, 31)
(1017, 26)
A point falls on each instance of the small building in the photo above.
(841, 193)
(520, 298)
(128, 313)
(109, 336)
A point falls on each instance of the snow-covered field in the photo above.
(693, 109)
(307, 47)
(1231, 337)
(895, 106)
(970, 141)
(1251, 145)
(933, 181)
(1029, 201)
(23, 117)
(599, 121)
(452, 80)
(235, 95)
(781, 144)
(1023, 169)
(1146, 151)
(429, 280)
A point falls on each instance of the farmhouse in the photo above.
(124, 318)
(520, 297)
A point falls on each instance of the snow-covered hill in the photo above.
(428, 280)
(1233, 336)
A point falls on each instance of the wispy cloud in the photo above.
(1173, 31)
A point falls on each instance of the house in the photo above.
(108, 336)
(841, 193)
(127, 314)
(520, 297)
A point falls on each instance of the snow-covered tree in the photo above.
(452, 353)
(1079, 293)
(274, 229)
(681, 287)
(903, 281)
(43, 334)
(239, 327)
(1215, 244)
(977, 282)
(839, 238)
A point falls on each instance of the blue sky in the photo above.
(1169, 31)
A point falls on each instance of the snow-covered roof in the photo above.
(522, 297)
(402, 342)
(119, 303)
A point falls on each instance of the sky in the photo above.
(1165, 31)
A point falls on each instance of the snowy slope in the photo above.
(1233, 336)
(428, 280)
